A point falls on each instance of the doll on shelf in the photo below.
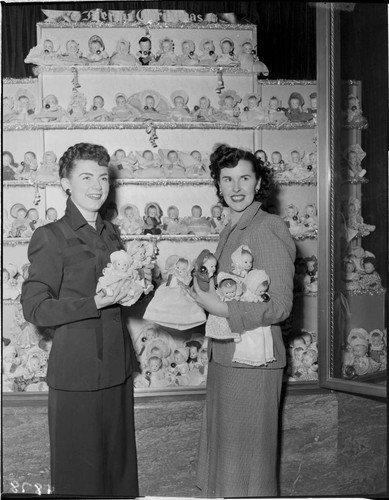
(193, 360)
(188, 56)
(229, 110)
(33, 219)
(277, 166)
(8, 112)
(51, 111)
(311, 162)
(356, 360)
(180, 111)
(292, 220)
(179, 368)
(97, 53)
(172, 166)
(195, 165)
(121, 166)
(120, 268)
(197, 224)
(204, 112)
(151, 105)
(369, 278)
(149, 165)
(97, 113)
(130, 222)
(11, 287)
(351, 277)
(203, 368)
(73, 54)
(311, 275)
(171, 305)
(256, 286)
(208, 55)
(310, 218)
(155, 372)
(162, 347)
(377, 347)
(204, 269)
(10, 169)
(261, 155)
(353, 156)
(11, 367)
(173, 223)
(249, 60)
(77, 106)
(308, 366)
(241, 261)
(353, 113)
(313, 104)
(217, 219)
(19, 226)
(152, 223)
(25, 106)
(276, 111)
(297, 170)
(45, 53)
(24, 333)
(49, 168)
(253, 113)
(122, 55)
(51, 215)
(165, 56)
(227, 57)
(123, 111)
(354, 220)
(295, 111)
(143, 254)
(144, 55)
(23, 274)
(7, 224)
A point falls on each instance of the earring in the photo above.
(256, 190)
(68, 192)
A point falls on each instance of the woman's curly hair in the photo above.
(82, 151)
(225, 156)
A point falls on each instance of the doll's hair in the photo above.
(30, 153)
(372, 260)
(229, 282)
(182, 260)
(8, 153)
(295, 151)
(193, 343)
(260, 151)
(100, 96)
(82, 151)
(225, 156)
(118, 151)
(197, 206)
(144, 39)
(172, 151)
(147, 151)
(195, 151)
(155, 358)
(276, 153)
(31, 209)
(172, 207)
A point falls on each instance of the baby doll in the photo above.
(204, 269)
(242, 261)
(19, 226)
(355, 224)
(122, 56)
(204, 111)
(310, 283)
(97, 53)
(171, 305)
(10, 169)
(131, 222)
(308, 366)
(377, 348)
(227, 57)
(295, 112)
(188, 56)
(25, 106)
(77, 106)
(369, 278)
(152, 219)
(356, 359)
(123, 111)
(144, 54)
(249, 60)
(350, 275)
(203, 369)
(261, 155)
(49, 168)
(197, 224)
(73, 54)
(11, 367)
(354, 155)
(193, 360)
(155, 373)
(8, 112)
(208, 56)
(97, 113)
(217, 219)
(11, 287)
(121, 166)
(7, 224)
(293, 220)
(256, 285)
(180, 111)
(179, 368)
(313, 108)
(253, 113)
(33, 219)
(276, 111)
(310, 217)
(173, 224)
(353, 113)
(229, 110)
(52, 111)
(149, 165)
(24, 333)
(195, 165)
(151, 105)
(165, 55)
(51, 215)
(45, 53)
(172, 165)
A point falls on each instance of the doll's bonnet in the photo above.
(254, 278)
(179, 93)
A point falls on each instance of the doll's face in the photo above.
(179, 358)
(152, 212)
(349, 267)
(226, 47)
(98, 102)
(129, 212)
(208, 46)
(96, 47)
(150, 101)
(34, 363)
(121, 265)
(294, 103)
(29, 158)
(290, 212)
(172, 156)
(193, 351)
(173, 213)
(33, 214)
(210, 265)
(181, 268)
(204, 357)
(298, 342)
(247, 48)
(203, 103)
(276, 158)
(352, 158)
(10, 357)
(155, 364)
(298, 354)
(120, 101)
(196, 155)
(150, 333)
(352, 101)
(307, 339)
(140, 254)
(247, 261)
(51, 214)
(24, 102)
(5, 276)
(145, 46)
(229, 102)
(252, 102)
(196, 212)
(148, 155)
(306, 361)
(312, 158)
(48, 46)
(166, 46)
(49, 159)
(72, 47)
(185, 48)
(296, 158)
(7, 104)
(376, 340)
(120, 154)
(311, 266)
(310, 211)
(123, 48)
(52, 101)
(228, 290)
(368, 267)
(273, 104)
(359, 350)
(314, 102)
(7, 160)
(351, 209)
(21, 214)
(179, 102)
(216, 212)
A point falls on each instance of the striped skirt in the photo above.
(238, 444)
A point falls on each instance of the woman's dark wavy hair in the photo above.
(225, 156)
(82, 151)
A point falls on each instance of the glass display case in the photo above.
(353, 199)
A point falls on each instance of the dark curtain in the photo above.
(286, 31)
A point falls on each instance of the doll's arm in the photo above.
(274, 250)
(40, 291)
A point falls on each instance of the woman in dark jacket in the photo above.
(91, 422)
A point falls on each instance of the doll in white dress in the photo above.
(122, 55)
(253, 113)
(45, 53)
(11, 287)
(77, 106)
(197, 224)
(51, 111)
(144, 55)
(310, 218)
(151, 105)
(293, 220)
(353, 113)
(97, 113)
(249, 60)
(149, 165)
(123, 111)
(208, 55)
(188, 56)
(227, 57)
(49, 168)
(24, 107)
(173, 223)
(72, 55)
(353, 157)
(172, 165)
(276, 111)
(165, 56)
(171, 305)
(228, 107)
(97, 53)
(354, 220)
(196, 164)
(121, 166)
(204, 112)
(130, 222)
(180, 111)
(8, 111)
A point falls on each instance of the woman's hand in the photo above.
(120, 292)
(209, 301)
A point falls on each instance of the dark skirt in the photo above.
(238, 443)
(92, 441)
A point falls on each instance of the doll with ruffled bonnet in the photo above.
(165, 56)
(152, 223)
(97, 53)
(203, 112)
(248, 59)
(122, 56)
(227, 56)
(242, 261)
(208, 56)
(180, 111)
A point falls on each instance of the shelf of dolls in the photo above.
(163, 182)
(171, 237)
